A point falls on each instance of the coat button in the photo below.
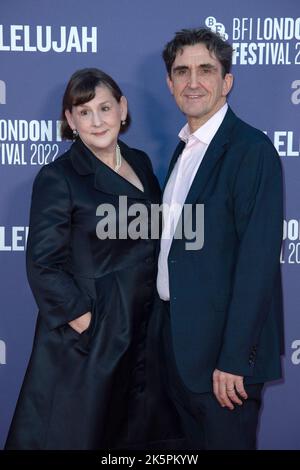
(140, 365)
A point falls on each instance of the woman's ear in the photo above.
(124, 108)
(70, 120)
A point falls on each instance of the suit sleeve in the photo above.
(58, 297)
(258, 213)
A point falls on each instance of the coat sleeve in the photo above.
(258, 215)
(58, 297)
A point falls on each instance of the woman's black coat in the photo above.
(92, 390)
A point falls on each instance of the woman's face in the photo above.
(98, 121)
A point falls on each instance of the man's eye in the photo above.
(83, 112)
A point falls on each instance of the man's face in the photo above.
(197, 84)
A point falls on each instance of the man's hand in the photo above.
(228, 388)
(80, 324)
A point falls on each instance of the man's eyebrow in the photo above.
(208, 66)
(180, 67)
(202, 66)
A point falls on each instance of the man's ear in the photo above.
(170, 84)
(227, 83)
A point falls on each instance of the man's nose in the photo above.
(194, 79)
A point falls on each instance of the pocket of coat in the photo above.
(69, 327)
(69, 332)
(85, 338)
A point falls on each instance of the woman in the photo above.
(85, 387)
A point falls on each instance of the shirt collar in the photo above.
(206, 132)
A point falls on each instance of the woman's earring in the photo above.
(75, 134)
(123, 122)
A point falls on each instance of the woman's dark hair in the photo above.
(189, 37)
(81, 89)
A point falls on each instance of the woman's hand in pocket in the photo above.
(80, 324)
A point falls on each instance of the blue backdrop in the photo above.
(43, 42)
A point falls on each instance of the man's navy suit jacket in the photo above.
(226, 299)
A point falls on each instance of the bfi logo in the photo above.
(2, 92)
(217, 27)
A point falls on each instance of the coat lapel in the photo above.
(105, 179)
(82, 158)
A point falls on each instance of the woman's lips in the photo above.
(100, 133)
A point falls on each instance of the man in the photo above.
(223, 331)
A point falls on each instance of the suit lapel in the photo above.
(174, 159)
(213, 154)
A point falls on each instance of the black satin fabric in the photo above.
(101, 388)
